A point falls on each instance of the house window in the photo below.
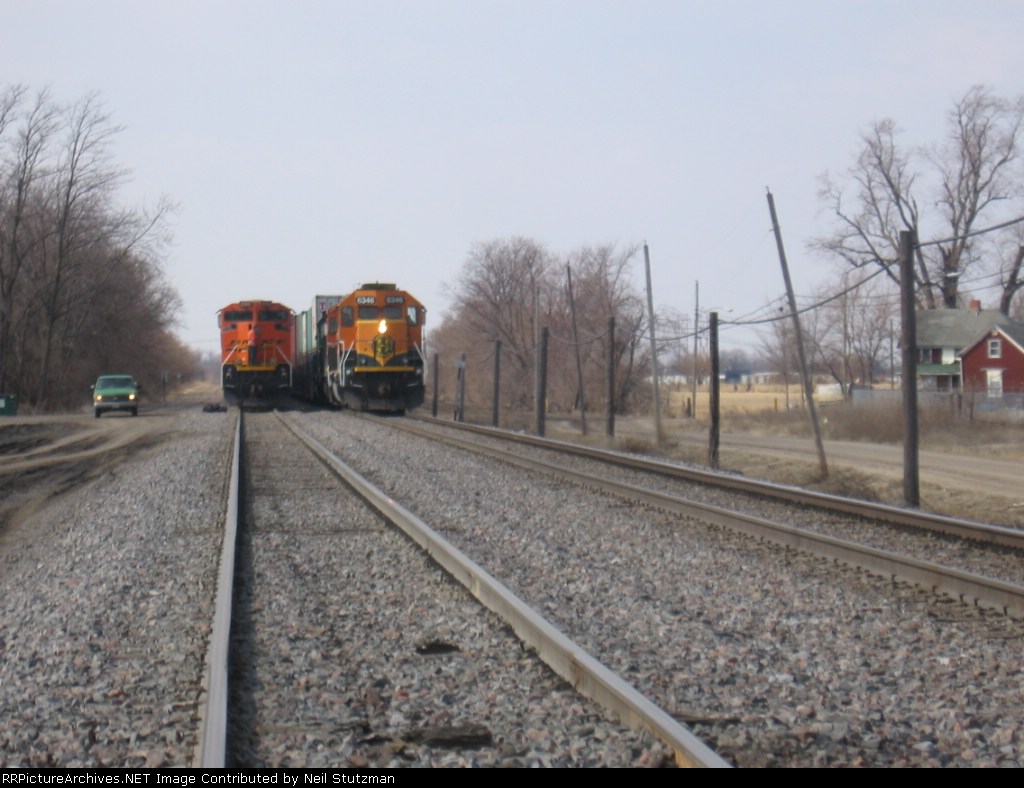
(994, 381)
(995, 348)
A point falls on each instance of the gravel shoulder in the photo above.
(106, 594)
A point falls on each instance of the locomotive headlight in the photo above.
(383, 327)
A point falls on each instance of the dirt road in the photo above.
(960, 471)
(45, 456)
(957, 484)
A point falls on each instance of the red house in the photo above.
(942, 335)
(993, 364)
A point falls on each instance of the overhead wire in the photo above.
(750, 319)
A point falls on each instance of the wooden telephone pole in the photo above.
(805, 373)
(654, 350)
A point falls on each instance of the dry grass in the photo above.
(734, 400)
(940, 429)
(764, 413)
(636, 436)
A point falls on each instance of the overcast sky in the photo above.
(312, 146)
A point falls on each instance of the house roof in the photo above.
(1013, 331)
(956, 328)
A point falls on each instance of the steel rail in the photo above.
(212, 749)
(565, 657)
(983, 591)
(895, 515)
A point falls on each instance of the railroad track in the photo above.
(347, 647)
(772, 656)
(964, 545)
(775, 657)
(877, 512)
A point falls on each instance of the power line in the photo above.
(954, 238)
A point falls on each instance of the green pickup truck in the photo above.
(115, 392)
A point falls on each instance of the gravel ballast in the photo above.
(775, 658)
(106, 599)
(778, 658)
(353, 648)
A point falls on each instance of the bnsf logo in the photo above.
(365, 300)
(395, 300)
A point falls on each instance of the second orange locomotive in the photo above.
(256, 351)
(363, 350)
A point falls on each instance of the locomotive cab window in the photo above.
(237, 316)
(347, 316)
(392, 313)
(368, 313)
(412, 316)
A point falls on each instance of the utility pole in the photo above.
(696, 343)
(911, 476)
(785, 361)
(610, 426)
(539, 360)
(542, 380)
(654, 349)
(892, 358)
(804, 371)
(576, 347)
(847, 373)
(714, 435)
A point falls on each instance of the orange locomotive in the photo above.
(363, 350)
(256, 351)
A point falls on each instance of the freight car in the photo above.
(363, 350)
(257, 346)
(308, 381)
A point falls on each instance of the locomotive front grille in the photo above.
(386, 370)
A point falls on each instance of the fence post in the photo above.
(460, 389)
(497, 382)
(433, 407)
(610, 429)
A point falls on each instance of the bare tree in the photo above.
(964, 183)
(82, 185)
(22, 224)
(74, 266)
(778, 352)
(1011, 255)
(601, 275)
(504, 293)
(850, 330)
(510, 288)
(873, 311)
